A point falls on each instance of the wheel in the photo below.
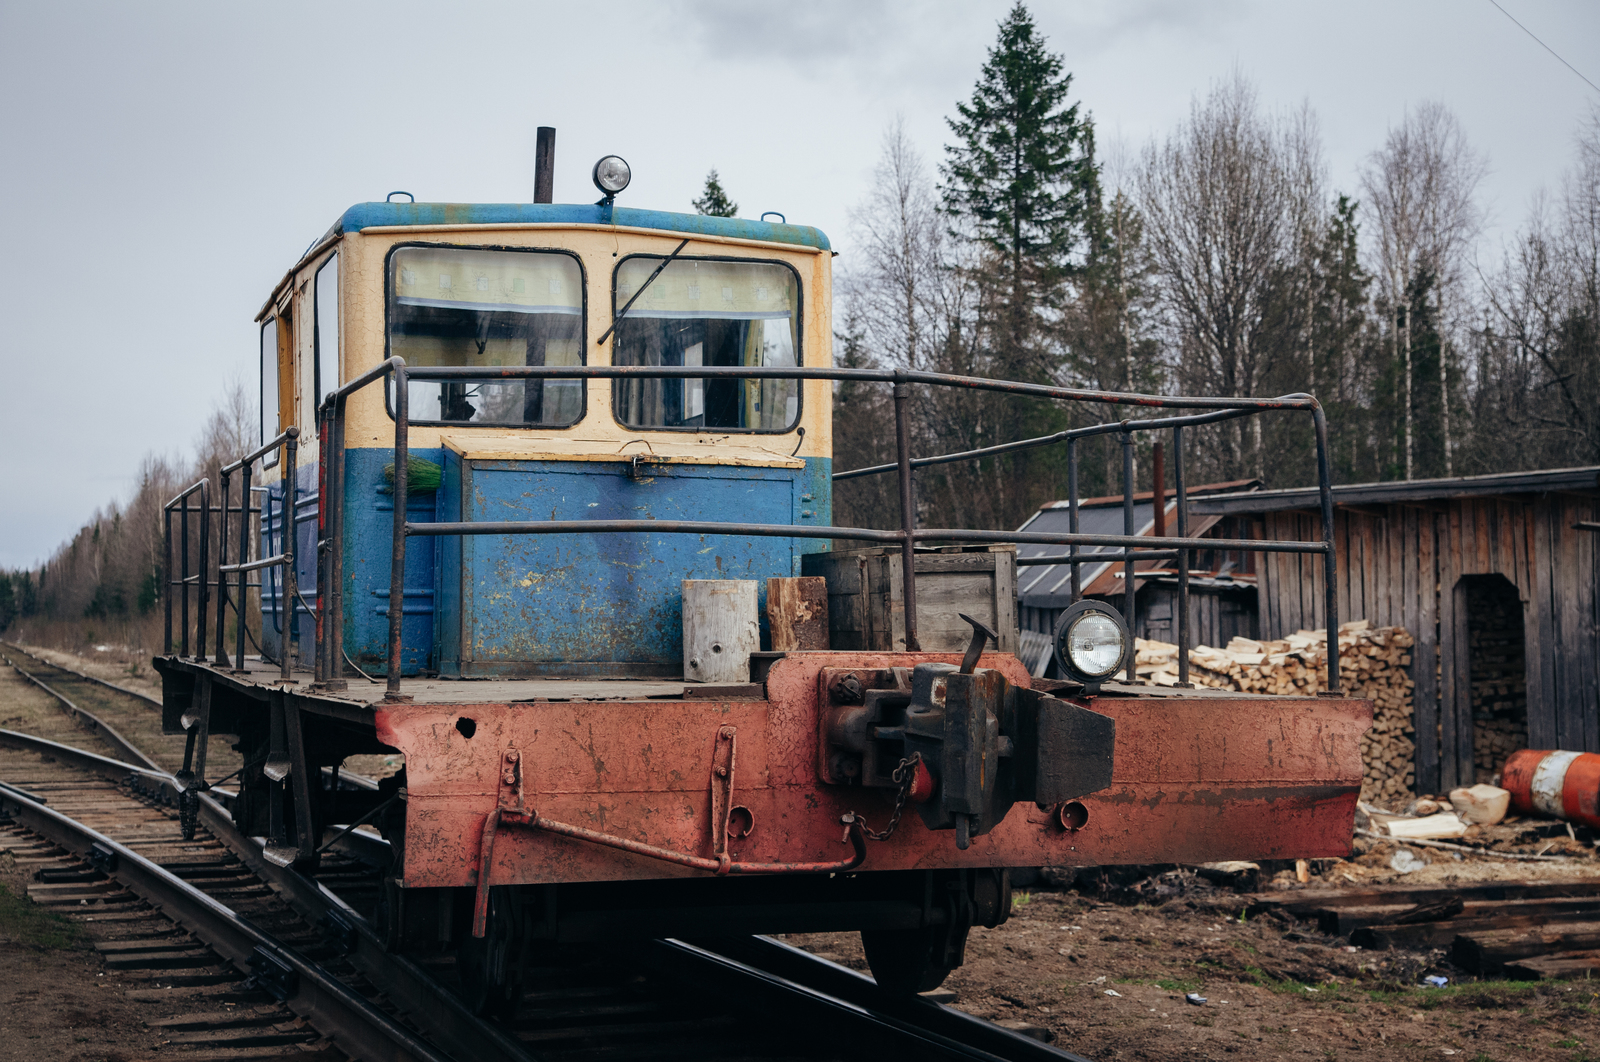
(907, 961)
(490, 966)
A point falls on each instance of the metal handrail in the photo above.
(287, 440)
(1134, 547)
(203, 488)
(329, 610)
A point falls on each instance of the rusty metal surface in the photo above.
(1195, 779)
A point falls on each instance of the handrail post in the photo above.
(202, 578)
(220, 658)
(183, 576)
(320, 675)
(166, 574)
(1329, 561)
(908, 513)
(1127, 564)
(1183, 556)
(397, 560)
(333, 504)
(244, 557)
(291, 577)
(1072, 518)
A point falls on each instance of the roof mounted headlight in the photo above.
(1091, 643)
(611, 175)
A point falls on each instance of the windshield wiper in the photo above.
(629, 305)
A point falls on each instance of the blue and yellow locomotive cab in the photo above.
(494, 285)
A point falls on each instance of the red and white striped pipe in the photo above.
(1562, 785)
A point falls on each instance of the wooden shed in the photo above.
(1494, 575)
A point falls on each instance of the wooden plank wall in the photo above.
(1402, 565)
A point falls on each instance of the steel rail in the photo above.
(109, 733)
(359, 1028)
(868, 1011)
(357, 781)
(819, 975)
(435, 1010)
(82, 674)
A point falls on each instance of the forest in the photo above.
(1217, 259)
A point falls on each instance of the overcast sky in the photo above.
(165, 163)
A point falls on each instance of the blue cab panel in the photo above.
(307, 503)
(606, 604)
(526, 605)
(368, 540)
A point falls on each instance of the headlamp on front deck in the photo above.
(1091, 643)
(611, 174)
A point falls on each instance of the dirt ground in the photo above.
(57, 1000)
(1101, 959)
(1105, 965)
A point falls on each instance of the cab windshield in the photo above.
(707, 312)
(488, 308)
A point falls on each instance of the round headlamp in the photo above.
(611, 174)
(1091, 643)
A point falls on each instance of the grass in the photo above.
(1020, 899)
(23, 921)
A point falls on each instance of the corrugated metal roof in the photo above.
(1584, 480)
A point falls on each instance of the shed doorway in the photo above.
(1497, 673)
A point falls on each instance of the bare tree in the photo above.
(901, 236)
(1419, 193)
(1228, 200)
(1539, 386)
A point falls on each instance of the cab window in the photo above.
(701, 311)
(326, 328)
(487, 308)
(271, 419)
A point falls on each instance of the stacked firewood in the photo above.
(1373, 663)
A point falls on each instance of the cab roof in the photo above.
(370, 215)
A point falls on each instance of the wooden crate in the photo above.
(866, 604)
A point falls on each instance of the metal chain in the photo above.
(905, 775)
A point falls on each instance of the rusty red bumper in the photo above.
(1195, 779)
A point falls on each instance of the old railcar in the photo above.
(496, 440)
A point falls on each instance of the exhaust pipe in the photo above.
(544, 166)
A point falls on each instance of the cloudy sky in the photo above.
(165, 163)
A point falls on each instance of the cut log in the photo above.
(1480, 803)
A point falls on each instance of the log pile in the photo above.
(1373, 663)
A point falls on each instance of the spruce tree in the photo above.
(714, 200)
(1018, 174)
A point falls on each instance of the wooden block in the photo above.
(719, 630)
(1567, 965)
(1444, 824)
(1486, 952)
(1480, 918)
(797, 613)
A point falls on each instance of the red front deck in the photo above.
(1199, 776)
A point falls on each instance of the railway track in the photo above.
(276, 961)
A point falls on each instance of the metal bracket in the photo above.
(510, 779)
(276, 977)
(722, 763)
